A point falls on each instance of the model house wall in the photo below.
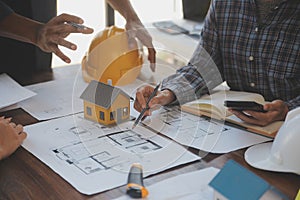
(105, 104)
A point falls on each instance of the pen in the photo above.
(147, 106)
(80, 26)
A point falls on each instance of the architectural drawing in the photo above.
(94, 158)
(200, 132)
(175, 122)
(90, 156)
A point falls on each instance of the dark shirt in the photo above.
(19, 59)
(250, 56)
(4, 10)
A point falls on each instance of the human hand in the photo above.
(52, 34)
(143, 93)
(136, 29)
(276, 111)
(11, 137)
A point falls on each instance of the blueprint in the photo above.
(94, 158)
(200, 133)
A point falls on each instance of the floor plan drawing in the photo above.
(94, 158)
(91, 156)
(201, 133)
(185, 122)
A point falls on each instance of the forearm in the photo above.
(185, 84)
(20, 28)
(125, 8)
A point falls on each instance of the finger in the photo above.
(12, 124)
(64, 35)
(66, 18)
(143, 35)
(143, 93)
(19, 128)
(257, 115)
(67, 44)
(137, 106)
(246, 118)
(152, 58)
(61, 55)
(147, 113)
(143, 118)
(141, 99)
(62, 21)
(146, 40)
(2, 119)
(64, 29)
(72, 27)
(22, 136)
(8, 120)
(86, 30)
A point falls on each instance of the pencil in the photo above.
(147, 106)
(80, 26)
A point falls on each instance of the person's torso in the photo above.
(264, 56)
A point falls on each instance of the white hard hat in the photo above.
(281, 155)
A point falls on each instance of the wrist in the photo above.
(37, 33)
(170, 96)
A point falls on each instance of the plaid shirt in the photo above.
(250, 56)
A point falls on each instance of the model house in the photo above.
(235, 182)
(105, 104)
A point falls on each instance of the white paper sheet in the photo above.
(56, 98)
(201, 133)
(11, 92)
(94, 158)
(189, 186)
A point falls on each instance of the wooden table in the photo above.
(22, 176)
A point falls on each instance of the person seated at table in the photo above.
(11, 137)
(252, 45)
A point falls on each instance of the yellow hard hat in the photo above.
(110, 59)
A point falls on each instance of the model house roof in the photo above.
(236, 182)
(101, 94)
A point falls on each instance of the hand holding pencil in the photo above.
(146, 107)
(149, 98)
(51, 35)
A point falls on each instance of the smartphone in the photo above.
(244, 105)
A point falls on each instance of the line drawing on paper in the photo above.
(90, 156)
